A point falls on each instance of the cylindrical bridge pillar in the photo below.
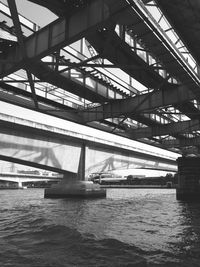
(188, 179)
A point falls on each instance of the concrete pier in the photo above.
(74, 188)
(73, 185)
(188, 179)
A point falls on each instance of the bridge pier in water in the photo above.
(73, 185)
(20, 184)
(188, 179)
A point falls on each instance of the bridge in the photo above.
(127, 67)
(58, 149)
(20, 178)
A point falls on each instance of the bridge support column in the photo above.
(20, 184)
(188, 179)
(74, 185)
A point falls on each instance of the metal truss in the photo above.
(57, 78)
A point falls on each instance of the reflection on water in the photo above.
(131, 227)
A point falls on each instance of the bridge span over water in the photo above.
(19, 179)
(128, 67)
(64, 150)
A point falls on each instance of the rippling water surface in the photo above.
(131, 227)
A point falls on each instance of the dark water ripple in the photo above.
(128, 228)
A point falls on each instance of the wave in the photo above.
(68, 246)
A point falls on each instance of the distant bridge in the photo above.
(20, 178)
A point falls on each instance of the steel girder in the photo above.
(166, 129)
(120, 54)
(187, 142)
(57, 34)
(140, 103)
(24, 99)
(184, 17)
(44, 73)
(37, 49)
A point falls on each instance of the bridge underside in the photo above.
(72, 67)
(111, 65)
(54, 149)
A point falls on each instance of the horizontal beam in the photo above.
(195, 150)
(186, 142)
(39, 131)
(170, 95)
(32, 164)
(165, 129)
(24, 99)
(44, 73)
(56, 35)
(122, 56)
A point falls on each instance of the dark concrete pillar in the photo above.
(188, 179)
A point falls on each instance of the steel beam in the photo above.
(165, 129)
(195, 150)
(44, 73)
(170, 95)
(182, 143)
(15, 18)
(23, 99)
(56, 35)
(122, 56)
(183, 17)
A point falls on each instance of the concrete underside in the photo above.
(75, 189)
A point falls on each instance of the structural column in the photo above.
(81, 167)
(20, 184)
(74, 184)
(188, 179)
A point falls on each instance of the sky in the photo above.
(34, 12)
(42, 17)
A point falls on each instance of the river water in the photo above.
(131, 227)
